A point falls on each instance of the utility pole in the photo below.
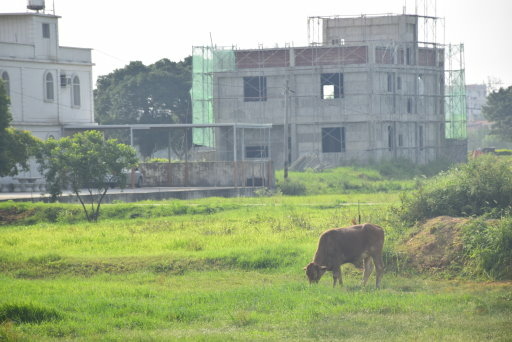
(285, 127)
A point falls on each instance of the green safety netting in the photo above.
(205, 62)
(455, 94)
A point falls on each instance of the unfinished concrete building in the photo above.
(365, 89)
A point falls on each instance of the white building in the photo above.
(476, 97)
(49, 85)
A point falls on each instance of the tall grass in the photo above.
(343, 180)
(26, 313)
(26, 213)
(384, 176)
(406, 169)
(488, 246)
(482, 186)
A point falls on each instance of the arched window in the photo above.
(5, 78)
(75, 92)
(49, 93)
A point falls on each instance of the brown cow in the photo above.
(339, 246)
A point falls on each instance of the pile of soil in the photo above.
(436, 245)
(12, 215)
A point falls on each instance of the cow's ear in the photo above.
(323, 267)
(305, 268)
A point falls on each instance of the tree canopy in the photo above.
(498, 110)
(84, 161)
(139, 94)
(16, 146)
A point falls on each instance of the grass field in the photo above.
(225, 269)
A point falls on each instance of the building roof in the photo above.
(36, 14)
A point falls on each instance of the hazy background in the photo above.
(124, 31)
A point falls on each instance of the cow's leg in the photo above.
(368, 269)
(336, 276)
(379, 268)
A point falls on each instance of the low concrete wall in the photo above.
(145, 194)
(455, 150)
(223, 174)
(163, 195)
(22, 184)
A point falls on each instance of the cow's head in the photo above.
(314, 272)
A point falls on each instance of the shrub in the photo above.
(482, 186)
(397, 169)
(402, 168)
(293, 188)
(435, 167)
(488, 247)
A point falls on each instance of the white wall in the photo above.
(27, 57)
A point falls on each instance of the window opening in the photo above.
(256, 152)
(254, 181)
(46, 30)
(76, 92)
(7, 85)
(390, 138)
(390, 82)
(409, 105)
(255, 88)
(331, 86)
(49, 92)
(421, 85)
(333, 139)
(420, 137)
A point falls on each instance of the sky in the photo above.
(123, 31)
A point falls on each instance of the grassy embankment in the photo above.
(223, 269)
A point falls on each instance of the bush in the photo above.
(293, 188)
(397, 169)
(402, 168)
(488, 247)
(482, 186)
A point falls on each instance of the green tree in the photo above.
(498, 110)
(16, 146)
(84, 161)
(139, 94)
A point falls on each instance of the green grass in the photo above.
(345, 180)
(251, 305)
(27, 213)
(232, 272)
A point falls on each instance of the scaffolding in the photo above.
(393, 89)
(205, 62)
(455, 93)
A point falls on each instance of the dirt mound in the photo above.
(11, 215)
(437, 245)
